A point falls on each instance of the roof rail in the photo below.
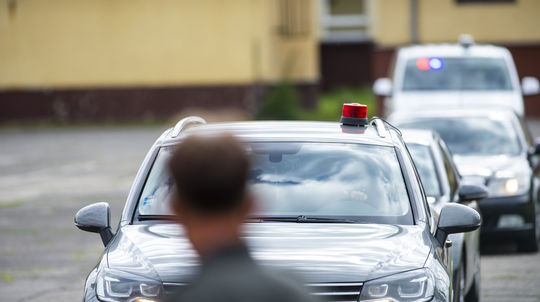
(381, 124)
(381, 129)
(184, 123)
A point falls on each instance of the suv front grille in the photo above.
(328, 292)
(336, 292)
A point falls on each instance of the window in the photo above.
(450, 173)
(351, 181)
(473, 135)
(423, 160)
(294, 17)
(526, 132)
(333, 179)
(471, 73)
(343, 20)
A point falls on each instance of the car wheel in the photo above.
(459, 286)
(474, 292)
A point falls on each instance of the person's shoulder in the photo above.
(247, 283)
(283, 285)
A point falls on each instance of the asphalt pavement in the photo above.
(46, 175)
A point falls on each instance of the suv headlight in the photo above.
(114, 286)
(506, 183)
(416, 285)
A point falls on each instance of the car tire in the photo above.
(474, 292)
(459, 286)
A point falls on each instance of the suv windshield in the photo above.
(472, 135)
(360, 183)
(470, 73)
(423, 159)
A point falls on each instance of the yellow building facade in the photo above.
(444, 20)
(63, 56)
(103, 44)
(79, 43)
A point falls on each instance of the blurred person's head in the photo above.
(211, 199)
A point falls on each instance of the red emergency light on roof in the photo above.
(354, 114)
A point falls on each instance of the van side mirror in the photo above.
(383, 87)
(456, 218)
(95, 218)
(472, 192)
(530, 86)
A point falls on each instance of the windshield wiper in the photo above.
(301, 219)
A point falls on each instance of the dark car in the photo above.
(493, 146)
(339, 204)
(441, 182)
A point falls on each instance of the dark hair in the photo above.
(210, 172)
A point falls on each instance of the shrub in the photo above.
(330, 104)
(281, 103)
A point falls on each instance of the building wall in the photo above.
(389, 21)
(346, 64)
(445, 20)
(78, 43)
(61, 45)
(517, 22)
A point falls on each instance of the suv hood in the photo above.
(412, 101)
(317, 252)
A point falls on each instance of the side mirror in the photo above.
(456, 218)
(472, 192)
(535, 150)
(383, 87)
(530, 86)
(95, 218)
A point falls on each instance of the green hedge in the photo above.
(330, 104)
(282, 103)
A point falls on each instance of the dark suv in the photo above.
(340, 204)
(495, 148)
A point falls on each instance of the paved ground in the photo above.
(47, 175)
(510, 276)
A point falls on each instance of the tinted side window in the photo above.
(452, 179)
(526, 132)
(427, 207)
(423, 160)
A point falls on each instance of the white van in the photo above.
(464, 75)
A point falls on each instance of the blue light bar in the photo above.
(435, 63)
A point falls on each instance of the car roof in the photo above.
(453, 50)
(418, 136)
(454, 113)
(288, 131)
